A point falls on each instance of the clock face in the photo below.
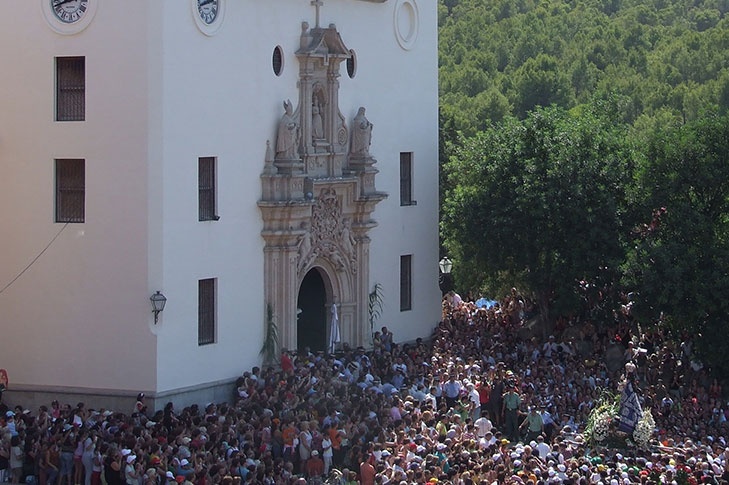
(69, 11)
(208, 10)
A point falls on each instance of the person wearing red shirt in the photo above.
(367, 472)
(484, 393)
(286, 364)
(315, 465)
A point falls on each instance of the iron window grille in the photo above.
(206, 312)
(406, 179)
(406, 283)
(277, 60)
(70, 190)
(70, 88)
(206, 189)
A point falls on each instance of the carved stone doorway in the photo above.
(313, 301)
(318, 196)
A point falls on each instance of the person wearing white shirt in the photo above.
(487, 440)
(327, 453)
(483, 426)
(542, 448)
(475, 401)
(549, 347)
(431, 398)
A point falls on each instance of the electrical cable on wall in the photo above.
(34, 259)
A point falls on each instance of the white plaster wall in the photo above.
(222, 99)
(79, 317)
(400, 90)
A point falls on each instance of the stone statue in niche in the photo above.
(288, 134)
(318, 111)
(361, 134)
(317, 123)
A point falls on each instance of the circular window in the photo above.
(352, 64)
(407, 22)
(278, 60)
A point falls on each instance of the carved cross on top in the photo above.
(317, 4)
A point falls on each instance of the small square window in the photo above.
(70, 190)
(70, 88)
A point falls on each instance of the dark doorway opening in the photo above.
(312, 321)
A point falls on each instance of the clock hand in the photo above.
(58, 3)
(204, 2)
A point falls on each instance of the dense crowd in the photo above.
(481, 402)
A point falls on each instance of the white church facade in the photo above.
(248, 160)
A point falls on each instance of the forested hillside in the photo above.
(663, 58)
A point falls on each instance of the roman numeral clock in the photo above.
(68, 16)
(69, 11)
(208, 10)
(208, 15)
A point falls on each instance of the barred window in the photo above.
(406, 283)
(206, 189)
(277, 60)
(70, 190)
(70, 88)
(406, 178)
(206, 312)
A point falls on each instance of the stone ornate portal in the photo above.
(330, 236)
(319, 194)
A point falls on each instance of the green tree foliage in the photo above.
(679, 261)
(508, 57)
(538, 201)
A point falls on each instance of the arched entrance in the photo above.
(312, 320)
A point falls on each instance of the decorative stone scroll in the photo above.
(329, 236)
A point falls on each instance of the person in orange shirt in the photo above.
(336, 438)
(289, 434)
(367, 472)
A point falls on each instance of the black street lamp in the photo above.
(445, 280)
(158, 304)
(445, 265)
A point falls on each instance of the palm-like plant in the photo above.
(269, 350)
(374, 306)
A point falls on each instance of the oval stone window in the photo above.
(277, 60)
(352, 64)
(407, 23)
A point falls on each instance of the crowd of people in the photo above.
(480, 402)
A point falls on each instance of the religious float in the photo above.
(617, 420)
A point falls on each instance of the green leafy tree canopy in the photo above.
(539, 202)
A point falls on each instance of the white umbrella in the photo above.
(334, 335)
